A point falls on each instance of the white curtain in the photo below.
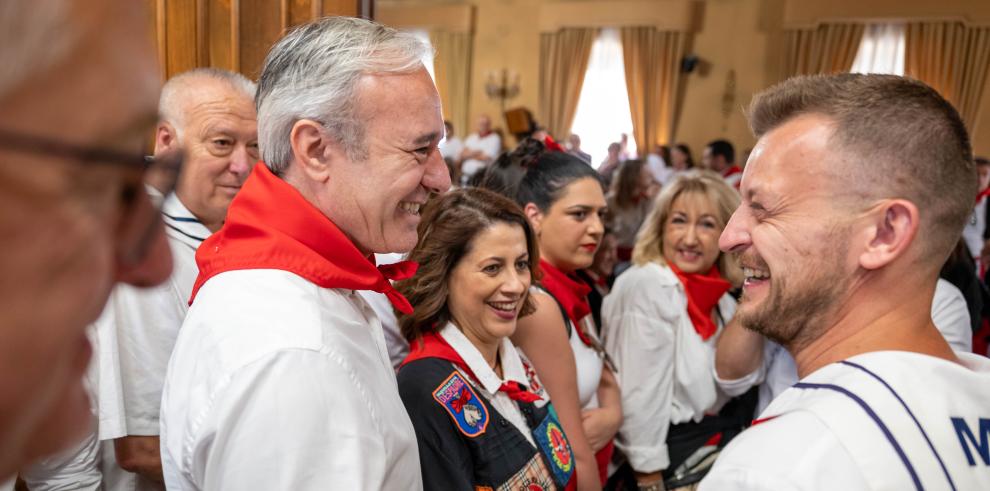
(603, 107)
(881, 50)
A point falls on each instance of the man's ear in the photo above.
(312, 149)
(166, 138)
(535, 216)
(891, 230)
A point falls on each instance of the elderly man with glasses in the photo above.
(77, 99)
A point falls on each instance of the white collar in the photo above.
(512, 367)
(181, 224)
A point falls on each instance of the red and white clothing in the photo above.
(663, 363)
(888, 420)
(280, 378)
(733, 176)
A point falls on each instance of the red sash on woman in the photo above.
(703, 293)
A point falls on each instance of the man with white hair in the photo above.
(209, 114)
(77, 99)
(853, 198)
(280, 379)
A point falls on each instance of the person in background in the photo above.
(629, 201)
(661, 322)
(680, 158)
(598, 276)
(720, 156)
(463, 379)
(611, 163)
(280, 379)
(480, 148)
(564, 201)
(78, 98)
(574, 148)
(208, 114)
(976, 233)
(451, 146)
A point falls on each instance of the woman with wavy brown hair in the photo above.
(482, 418)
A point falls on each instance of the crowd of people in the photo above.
(311, 283)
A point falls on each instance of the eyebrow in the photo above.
(426, 138)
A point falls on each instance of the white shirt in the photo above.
(663, 364)
(138, 330)
(451, 147)
(779, 371)
(278, 384)
(842, 426)
(398, 347)
(489, 381)
(975, 226)
(490, 144)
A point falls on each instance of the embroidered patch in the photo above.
(552, 442)
(463, 405)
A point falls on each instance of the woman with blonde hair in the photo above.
(661, 321)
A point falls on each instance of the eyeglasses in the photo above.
(140, 218)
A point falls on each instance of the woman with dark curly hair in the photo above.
(482, 418)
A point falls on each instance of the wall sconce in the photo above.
(499, 87)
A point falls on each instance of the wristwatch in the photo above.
(652, 486)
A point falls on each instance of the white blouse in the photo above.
(664, 367)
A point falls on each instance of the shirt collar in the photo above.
(181, 224)
(512, 367)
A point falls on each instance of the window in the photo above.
(603, 106)
(424, 36)
(881, 50)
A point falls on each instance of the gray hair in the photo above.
(176, 91)
(34, 36)
(311, 73)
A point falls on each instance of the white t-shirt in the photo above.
(490, 144)
(278, 384)
(779, 371)
(662, 362)
(451, 148)
(883, 420)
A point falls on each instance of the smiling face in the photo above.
(220, 137)
(690, 235)
(376, 200)
(791, 238)
(572, 227)
(488, 286)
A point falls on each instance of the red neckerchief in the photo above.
(432, 345)
(571, 293)
(271, 226)
(551, 145)
(703, 292)
(735, 169)
(983, 194)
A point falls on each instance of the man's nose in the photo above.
(735, 236)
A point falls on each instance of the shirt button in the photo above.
(502, 422)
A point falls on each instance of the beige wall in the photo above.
(738, 36)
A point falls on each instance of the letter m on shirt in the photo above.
(967, 439)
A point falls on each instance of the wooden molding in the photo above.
(666, 15)
(452, 18)
(810, 13)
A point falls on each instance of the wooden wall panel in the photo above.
(231, 34)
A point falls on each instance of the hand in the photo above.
(600, 425)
